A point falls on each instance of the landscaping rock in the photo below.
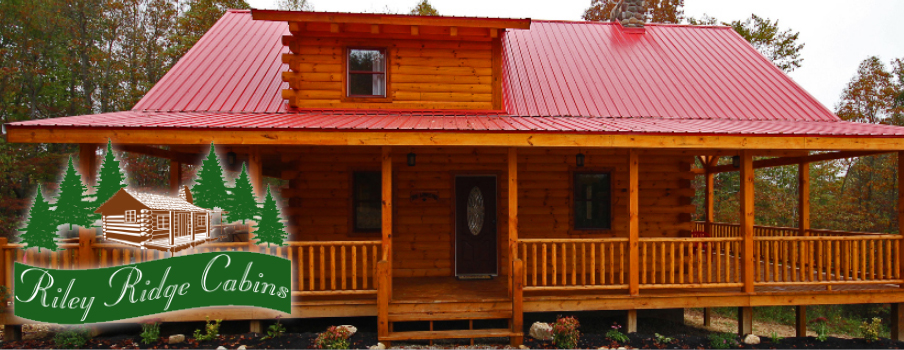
(241, 347)
(751, 339)
(379, 346)
(176, 338)
(522, 346)
(541, 331)
(351, 329)
(221, 347)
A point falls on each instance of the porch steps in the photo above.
(454, 334)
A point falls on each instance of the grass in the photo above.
(842, 319)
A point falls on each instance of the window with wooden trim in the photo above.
(367, 209)
(592, 201)
(366, 72)
(201, 221)
(162, 221)
(129, 217)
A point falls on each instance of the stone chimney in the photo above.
(630, 13)
(185, 194)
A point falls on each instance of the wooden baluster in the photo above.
(523, 263)
(354, 267)
(533, 248)
(364, 266)
(544, 263)
(672, 262)
(795, 246)
(310, 267)
(564, 265)
(574, 262)
(643, 262)
(662, 270)
(681, 262)
(699, 257)
(855, 268)
(776, 277)
(716, 249)
(342, 272)
(863, 270)
(299, 266)
(593, 263)
(874, 255)
(333, 267)
(838, 262)
(322, 267)
(373, 260)
(583, 264)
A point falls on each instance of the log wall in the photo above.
(320, 187)
(422, 74)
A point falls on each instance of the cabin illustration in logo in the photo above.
(155, 221)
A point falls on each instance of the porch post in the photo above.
(175, 176)
(517, 266)
(384, 267)
(633, 223)
(87, 164)
(901, 211)
(256, 175)
(803, 198)
(747, 216)
(708, 202)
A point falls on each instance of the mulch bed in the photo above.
(647, 341)
(229, 341)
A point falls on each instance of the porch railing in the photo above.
(829, 260)
(722, 229)
(690, 262)
(563, 264)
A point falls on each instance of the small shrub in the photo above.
(5, 297)
(870, 330)
(775, 338)
(615, 334)
(565, 332)
(333, 338)
(72, 338)
(821, 327)
(723, 341)
(661, 339)
(275, 330)
(211, 331)
(150, 331)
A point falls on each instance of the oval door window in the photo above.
(476, 211)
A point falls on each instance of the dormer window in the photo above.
(366, 72)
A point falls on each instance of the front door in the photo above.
(475, 225)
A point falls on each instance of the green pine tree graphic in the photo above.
(111, 179)
(40, 230)
(209, 190)
(72, 206)
(243, 204)
(270, 228)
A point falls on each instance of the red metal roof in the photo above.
(463, 122)
(577, 77)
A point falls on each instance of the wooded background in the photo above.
(70, 57)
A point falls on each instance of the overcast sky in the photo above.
(838, 34)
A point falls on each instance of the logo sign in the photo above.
(152, 287)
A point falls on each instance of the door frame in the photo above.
(455, 175)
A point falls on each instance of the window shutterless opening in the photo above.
(367, 201)
(592, 201)
(366, 72)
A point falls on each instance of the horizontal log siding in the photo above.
(319, 190)
(422, 74)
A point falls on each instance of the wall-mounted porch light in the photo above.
(412, 159)
(579, 160)
(736, 161)
(230, 158)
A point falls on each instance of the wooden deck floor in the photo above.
(448, 289)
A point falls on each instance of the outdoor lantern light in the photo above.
(736, 161)
(411, 158)
(230, 158)
(579, 159)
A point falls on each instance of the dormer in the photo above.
(379, 61)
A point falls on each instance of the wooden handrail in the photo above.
(330, 243)
(692, 239)
(570, 240)
(830, 238)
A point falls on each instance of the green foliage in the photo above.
(565, 334)
(333, 338)
(150, 331)
(657, 11)
(820, 325)
(72, 338)
(72, 206)
(275, 330)
(294, 5)
(111, 179)
(242, 204)
(211, 330)
(662, 340)
(209, 190)
(775, 338)
(40, 230)
(869, 331)
(197, 16)
(423, 8)
(780, 47)
(5, 296)
(615, 334)
(723, 341)
(270, 228)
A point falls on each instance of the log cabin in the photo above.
(153, 221)
(531, 166)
